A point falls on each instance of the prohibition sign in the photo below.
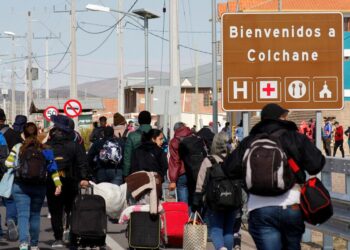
(72, 108)
(49, 111)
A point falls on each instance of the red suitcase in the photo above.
(174, 219)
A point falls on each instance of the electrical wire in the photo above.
(180, 45)
(109, 35)
(97, 32)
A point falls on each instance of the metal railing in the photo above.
(339, 224)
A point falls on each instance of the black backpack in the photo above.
(192, 151)
(222, 193)
(266, 168)
(32, 166)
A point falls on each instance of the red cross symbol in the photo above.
(269, 89)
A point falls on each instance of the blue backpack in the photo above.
(4, 151)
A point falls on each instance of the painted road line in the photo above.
(112, 243)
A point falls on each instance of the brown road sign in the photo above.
(293, 59)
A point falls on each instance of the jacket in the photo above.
(338, 135)
(149, 157)
(132, 142)
(296, 145)
(11, 136)
(49, 157)
(69, 156)
(347, 133)
(176, 165)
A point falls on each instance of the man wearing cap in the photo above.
(73, 170)
(275, 222)
(12, 138)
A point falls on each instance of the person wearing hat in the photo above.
(73, 170)
(134, 140)
(12, 138)
(20, 121)
(275, 222)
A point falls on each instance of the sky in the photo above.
(97, 53)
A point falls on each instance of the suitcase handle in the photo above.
(86, 190)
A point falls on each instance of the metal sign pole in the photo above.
(246, 122)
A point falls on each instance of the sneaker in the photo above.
(66, 236)
(34, 248)
(237, 241)
(12, 232)
(23, 246)
(57, 244)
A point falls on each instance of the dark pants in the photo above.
(327, 146)
(339, 144)
(276, 228)
(61, 204)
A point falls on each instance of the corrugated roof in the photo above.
(287, 5)
(88, 104)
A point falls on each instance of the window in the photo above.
(207, 98)
(346, 23)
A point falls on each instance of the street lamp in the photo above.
(13, 79)
(144, 15)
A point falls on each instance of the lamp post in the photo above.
(13, 77)
(144, 15)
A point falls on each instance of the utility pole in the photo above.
(29, 70)
(13, 82)
(214, 66)
(120, 47)
(47, 94)
(73, 73)
(279, 5)
(174, 56)
(25, 92)
(196, 91)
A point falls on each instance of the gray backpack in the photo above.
(266, 168)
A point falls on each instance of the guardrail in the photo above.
(339, 224)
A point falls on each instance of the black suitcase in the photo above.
(144, 231)
(88, 221)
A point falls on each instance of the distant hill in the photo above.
(105, 88)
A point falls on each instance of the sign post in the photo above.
(49, 111)
(72, 108)
(292, 59)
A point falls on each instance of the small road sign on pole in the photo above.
(72, 108)
(49, 111)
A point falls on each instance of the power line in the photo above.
(180, 45)
(109, 35)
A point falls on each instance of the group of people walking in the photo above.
(185, 162)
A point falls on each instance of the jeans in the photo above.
(221, 228)
(29, 200)
(182, 189)
(110, 175)
(11, 211)
(276, 228)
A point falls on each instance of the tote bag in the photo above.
(6, 183)
(8, 178)
(195, 233)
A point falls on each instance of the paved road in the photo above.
(115, 239)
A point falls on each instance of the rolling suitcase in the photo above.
(175, 217)
(144, 231)
(88, 221)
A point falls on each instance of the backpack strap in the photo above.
(4, 130)
(212, 159)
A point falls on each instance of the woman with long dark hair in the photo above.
(149, 156)
(33, 161)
